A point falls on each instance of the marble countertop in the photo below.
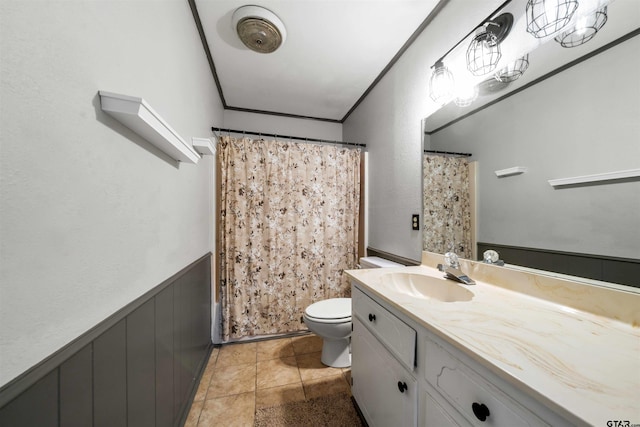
(582, 364)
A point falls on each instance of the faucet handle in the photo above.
(451, 260)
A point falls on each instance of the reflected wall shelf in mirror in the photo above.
(517, 170)
(600, 177)
(136, 114)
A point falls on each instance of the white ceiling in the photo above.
(336, 49)
(333, 52)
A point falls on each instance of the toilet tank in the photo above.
(377, 262)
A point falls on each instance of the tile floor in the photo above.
(241, 378)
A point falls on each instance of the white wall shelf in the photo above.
(608, 176)
(203, 146)
(517, 170)
(138, 116)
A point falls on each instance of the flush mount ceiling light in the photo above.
(585, 29)
(547, 17)
(514, 70)
(441, 84)
(259, 29)
(484, 53)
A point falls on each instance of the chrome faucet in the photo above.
(452, 270)
(456, 274)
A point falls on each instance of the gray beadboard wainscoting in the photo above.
(139, 367)
(624, 271)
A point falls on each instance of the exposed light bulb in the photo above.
(586, 28)
(465, 93)
(441, 84)
(546, 17)
(581, 25)
(550, 10)
(483, 53)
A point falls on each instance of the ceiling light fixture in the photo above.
(484, 53)
(547, 17)
(513, 71)
(259, 29)
(441, 83)
(585, 29)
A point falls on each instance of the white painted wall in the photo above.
(582, 121)
(281, 125)
(91, 215)
(389, 122)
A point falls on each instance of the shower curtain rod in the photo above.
(453, 153)
(326, 141)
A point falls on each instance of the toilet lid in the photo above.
(334, 308)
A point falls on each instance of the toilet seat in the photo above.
(333, 310)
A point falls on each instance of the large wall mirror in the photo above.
(574, 112)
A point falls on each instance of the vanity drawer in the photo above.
(479, 401)
(397, 336)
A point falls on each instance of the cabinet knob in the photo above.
(480, 410)
(372, 317)
(402, 386)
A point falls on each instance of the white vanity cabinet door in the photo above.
(434, 415)
(397, 336)
(385, 392)
(479, 401)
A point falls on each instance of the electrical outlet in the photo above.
(415, 222)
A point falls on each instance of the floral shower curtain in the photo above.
(288, 227)
(447, 208)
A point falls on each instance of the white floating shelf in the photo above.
(608, 176)
(204, 146)
(138, 116)
(511, 171)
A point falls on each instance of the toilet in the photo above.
(330, 319)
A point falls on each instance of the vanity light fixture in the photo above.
(513, 71)
(441, 83)
(483, 53)
(585, 29)
(465, 93)
(547, 17)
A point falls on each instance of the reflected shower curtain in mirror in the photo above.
(288, 230)
(447, 207)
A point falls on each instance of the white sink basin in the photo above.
(426, 287)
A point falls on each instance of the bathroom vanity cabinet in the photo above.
(384, 347)
(405, 375)
(518, 348)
